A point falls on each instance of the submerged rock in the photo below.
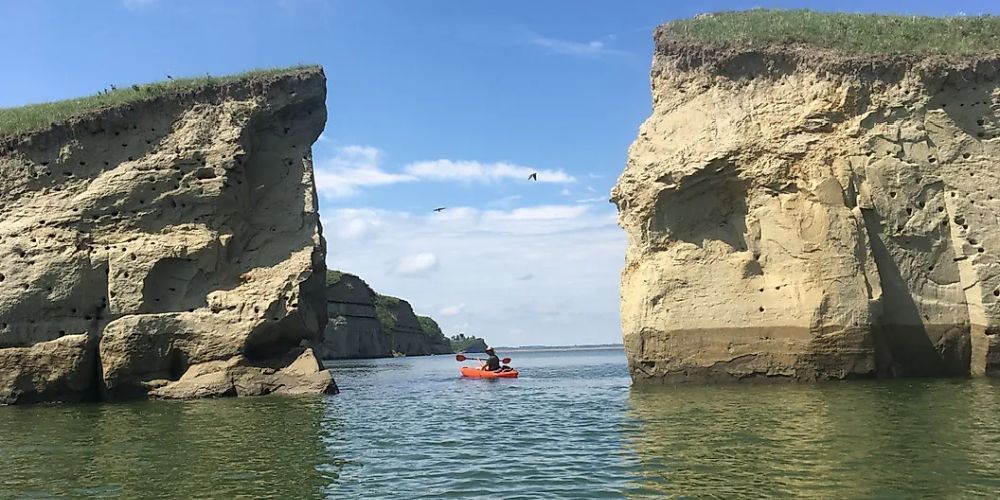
(805, 214)
(168, 247)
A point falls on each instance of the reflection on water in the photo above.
(209, 448)
(860, 439)
(571, 427)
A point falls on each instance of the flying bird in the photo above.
(440, 209)
(169, 77)
(533, 176)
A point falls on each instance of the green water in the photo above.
(571, 427)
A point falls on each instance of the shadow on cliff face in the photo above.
(901, 329)
(710, 204)
(967, 98)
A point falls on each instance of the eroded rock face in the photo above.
(353, 330)
(807, 215)
(169, 247)
(364, 324)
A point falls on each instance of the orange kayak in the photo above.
(468, 371)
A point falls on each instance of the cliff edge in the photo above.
(166, 244)
(364, 324)
(814, 211)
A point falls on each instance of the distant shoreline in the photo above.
(582, 347)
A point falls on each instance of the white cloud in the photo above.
(591, 49)
(351, 168)
(413, 265)
(530, 275)
(542, 212)
(474, 171)
(596, 199)
(452, 310)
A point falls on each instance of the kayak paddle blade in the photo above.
(460, 357)
(505, 361)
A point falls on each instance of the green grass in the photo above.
(459, 345)
(849, 33)
(383, 314)
(333, 277)
(431, 328)
(37, 116)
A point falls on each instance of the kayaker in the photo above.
(493, 362)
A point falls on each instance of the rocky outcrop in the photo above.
(471, 344)
(352, 330)
(364, 324)
(168, 247)
(805, 214)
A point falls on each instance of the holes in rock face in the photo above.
(761, 308)
(920, 204)
(132, 256)
(996, 293)
(965, 226)
(972, 241)
(124, 145)
(981, 250)
(930, 268)
(125, 275)
(980, 122)
(892, 194)
(940, 209)
(24, 286)
(909, 211)
(931, 159)
(918, 179)
(761, 290)
(966, 155)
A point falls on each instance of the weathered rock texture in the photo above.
(353, 330)
(170, 247)
(364, 324)
(805, 214)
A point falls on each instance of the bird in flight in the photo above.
(439, 209)
(533, 176)
(169, 77)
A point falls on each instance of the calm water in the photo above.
(570, 427)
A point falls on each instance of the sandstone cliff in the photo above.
(364, 324)
(168, 246)
(802, 213)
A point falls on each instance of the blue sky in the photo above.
(432, 103)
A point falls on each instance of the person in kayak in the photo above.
(492, 363)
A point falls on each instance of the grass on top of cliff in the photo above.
(844, 32)
(37, 116)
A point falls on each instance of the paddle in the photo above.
(459, 357)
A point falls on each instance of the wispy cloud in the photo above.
(415, 265)
(352, 168)
(525, 275)
(596, 199)
(474, 171)
(452, 310)
(591, 49)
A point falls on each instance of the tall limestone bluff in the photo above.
(166, 247)
(364, 324)
(801, 213)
